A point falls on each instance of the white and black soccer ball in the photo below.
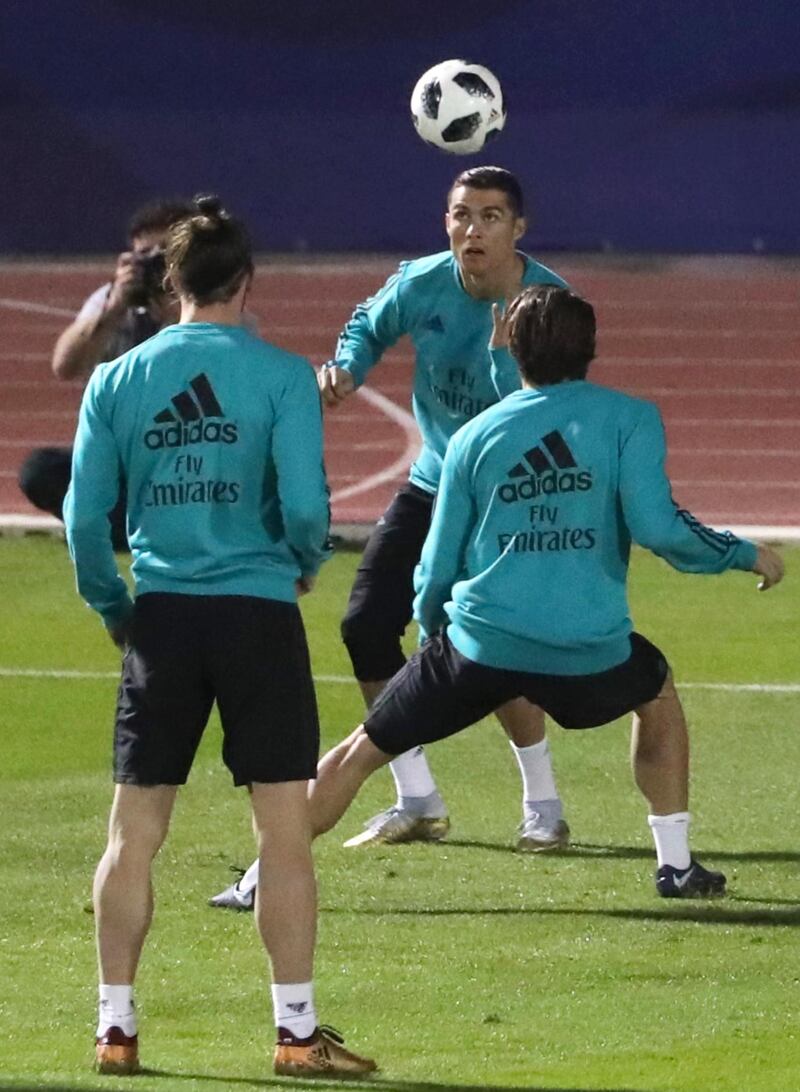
(458, 106)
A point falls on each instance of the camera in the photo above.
(148, 281)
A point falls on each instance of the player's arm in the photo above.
(92, 494)
(503, 369)
(374, 327)
(302, 484)
(82, 346)
(657, 523)
(442, 562)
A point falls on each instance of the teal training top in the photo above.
(528, 550)
(218, 436)
(450, 331)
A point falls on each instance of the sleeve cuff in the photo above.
(121, 611)
(745, 556)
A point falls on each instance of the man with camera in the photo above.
(117, 316)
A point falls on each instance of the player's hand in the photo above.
(335, 383)
(120, 634)
(499, 338)
(769, 565)
(304, 585)
(124, 279)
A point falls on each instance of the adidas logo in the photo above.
(548, 467)
(297, 1006)
(188, 422)
(435, 324)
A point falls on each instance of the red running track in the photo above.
(714, 341)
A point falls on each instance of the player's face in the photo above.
(148, 242)
(482, 229)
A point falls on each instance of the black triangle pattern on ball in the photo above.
(461, 128)
(431, 97)
(473, 84)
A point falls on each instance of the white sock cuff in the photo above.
(673, 819)
(293, 1004)
(535, 750)
(250, 879)
(412, 775)
(118, 998)
(116, 1008)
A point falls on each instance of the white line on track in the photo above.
(54, 673)
(38, 443)
(718, 333)
(24, 358)
(400, 466)
(36, 308)
(741, 483)
(650, 360)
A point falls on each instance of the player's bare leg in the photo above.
(419, 813)
(286, 900)
(660, 760)
(123, 906)
(286, 917)
(340, 774)
(123, 892)
(543, 826)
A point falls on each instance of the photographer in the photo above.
(116, 317)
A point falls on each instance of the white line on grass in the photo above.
(55, 673)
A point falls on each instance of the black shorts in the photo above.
(381, 601)
(439, 692)
(248, 654)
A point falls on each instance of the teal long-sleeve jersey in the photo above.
(218, 437)
(539, 501)
(450, 331)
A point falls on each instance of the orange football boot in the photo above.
(320, 1055)
(116, 1052)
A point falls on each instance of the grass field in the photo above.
(459, 966)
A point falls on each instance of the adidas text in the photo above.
(546, 484)
(197, 432)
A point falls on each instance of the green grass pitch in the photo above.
(458, 966)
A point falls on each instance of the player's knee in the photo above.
(130, 846)
(374, 650)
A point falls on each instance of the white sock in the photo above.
(116, 1009)
(536, 768)
(671, 836)
(249, 881)
(293, 1003)
(412, 775)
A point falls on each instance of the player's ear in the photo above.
(520, 227)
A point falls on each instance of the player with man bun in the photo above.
(228, 523)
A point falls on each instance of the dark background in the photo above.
(635, 126)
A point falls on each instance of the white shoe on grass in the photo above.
(397, 825)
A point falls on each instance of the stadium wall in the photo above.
(641, 125)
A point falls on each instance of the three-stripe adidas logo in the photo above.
(546, 468)
(190, 410)
(535, 460)
(192, 421)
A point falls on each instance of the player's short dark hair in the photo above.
(551, 332)
(492, 178)
(208, 254)
(158, 216)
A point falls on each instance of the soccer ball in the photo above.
(458, 106)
